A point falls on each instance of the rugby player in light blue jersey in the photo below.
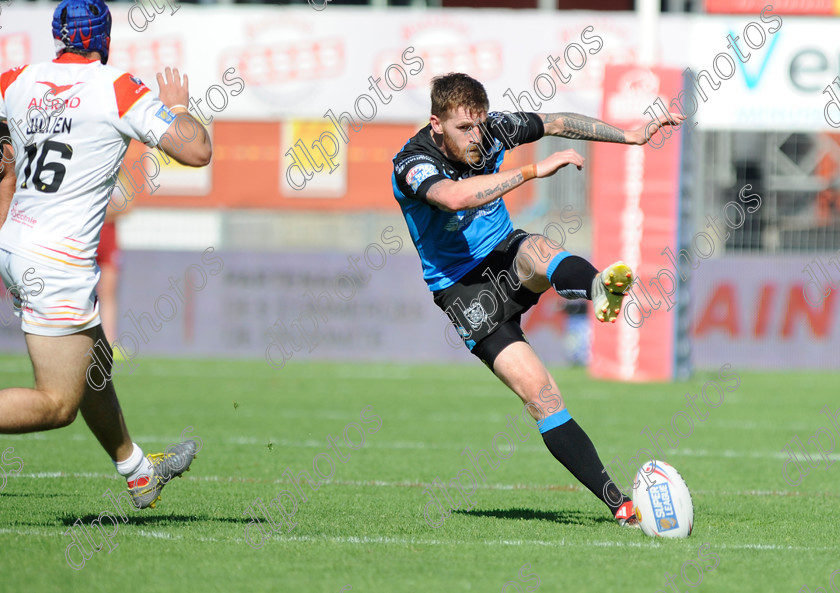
(483, 273)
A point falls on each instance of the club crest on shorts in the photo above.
(476, 315)
(18, 297)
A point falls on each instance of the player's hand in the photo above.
(642, 135)
(549, 166)
(173, 90)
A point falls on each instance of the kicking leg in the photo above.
(542, 264)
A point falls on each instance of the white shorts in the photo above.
(49, 301)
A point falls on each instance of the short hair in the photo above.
(454, 90)
(75, 50)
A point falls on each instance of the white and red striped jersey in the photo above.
(70, 121)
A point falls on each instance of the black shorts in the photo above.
(489, 296)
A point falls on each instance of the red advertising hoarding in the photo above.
(635, 211)
(794, 7)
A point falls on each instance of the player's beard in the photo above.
(469, 156)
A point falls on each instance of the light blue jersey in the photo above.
(450, 244)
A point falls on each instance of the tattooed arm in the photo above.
(452, 196)
(581, 127)
(472, 192)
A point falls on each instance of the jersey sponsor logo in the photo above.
(461, 219)
(57, 88)
(419, 173)
(405, 162)
(56, 104)
(140, 86)
(20, 216)
(164, 114)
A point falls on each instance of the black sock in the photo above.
(571, 276)
(573, 448)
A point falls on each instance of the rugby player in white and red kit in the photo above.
(71, 121)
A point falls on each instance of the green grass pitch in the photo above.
(533, 526)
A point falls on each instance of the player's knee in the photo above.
(58, 407)
(546, 247)
(63, 414)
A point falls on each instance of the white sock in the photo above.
(135, 466)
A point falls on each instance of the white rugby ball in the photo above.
(661, 501)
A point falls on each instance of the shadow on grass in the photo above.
(31, 494)
(140, 520)
(567, 517)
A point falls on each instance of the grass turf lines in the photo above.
(533, 526)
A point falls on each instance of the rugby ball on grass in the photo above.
(661, 501)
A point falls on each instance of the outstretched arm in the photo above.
(582, 127)
(175, 94)
(472, 192)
